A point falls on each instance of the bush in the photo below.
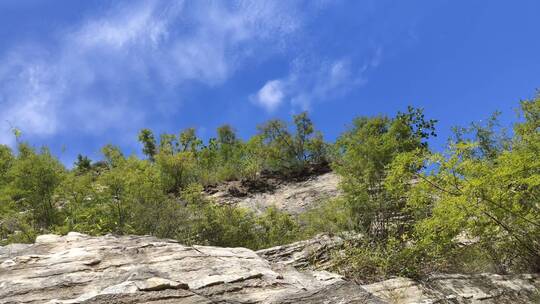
(369, 262)
(331, 216)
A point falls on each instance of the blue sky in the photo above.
(76, 75)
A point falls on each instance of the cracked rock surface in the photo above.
(77, 268)
(461, 289)
(139, 269)
(314, 254)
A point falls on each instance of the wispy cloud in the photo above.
(28, 90)
(83, 82)
(312, 81)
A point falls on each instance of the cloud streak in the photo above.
(312, 82)
(85, 81)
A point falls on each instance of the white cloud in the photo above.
(325, 82)
(270, 96)
(91, 79)
(130, 26)
(311, 82)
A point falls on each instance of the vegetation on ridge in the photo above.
(474, 207)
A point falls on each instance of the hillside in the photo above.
(265, 152)
(377, 213)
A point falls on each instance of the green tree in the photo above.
(167, 143)
(146, 137)
(113, 155)
(83, 163)
(143, 199)
(288, 152)
(365, 155)
(34, 177)
(276, 228)
(489, 198)
(279, 147)
(226, 135)
(253, 157)
(189, 141)
(226, 142)
(489, 137)
(6, 161)
(304, 129)
(82, 210)
(177, 170)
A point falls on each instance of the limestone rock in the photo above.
(139, 269)
(458, 288)
(313, 252)
(291, 196)
(156, 284)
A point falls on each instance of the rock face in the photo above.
(80, 269)
(291, 196)
(457, 288)
(313, 253)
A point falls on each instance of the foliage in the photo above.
(34, 177)
(291, 152)
(368, 262)
(486, 194)
(161, 196)
(146, 137)
(82, 164)
(331, 217)
(29, 183)
(275, 228)
(366, 154)
(472, 208)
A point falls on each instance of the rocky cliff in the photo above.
(293, 196)
(81, 269)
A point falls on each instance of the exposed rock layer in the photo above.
(292, 196)
(457, 288)
(314, 254)
(80, 269)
